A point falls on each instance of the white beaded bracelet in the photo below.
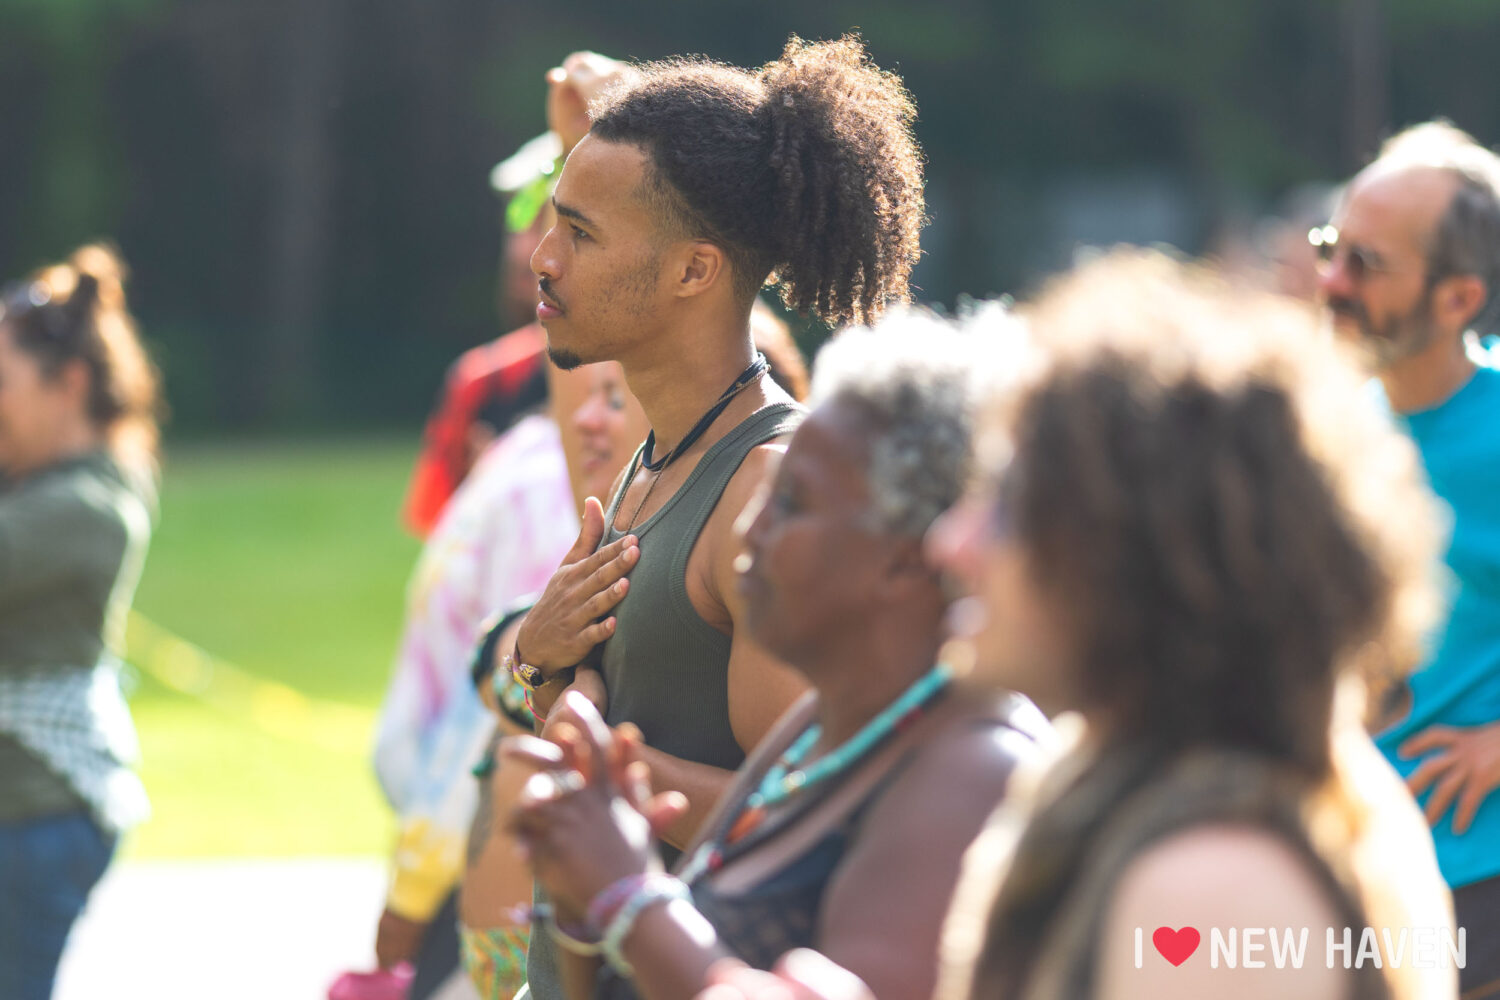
(657, 890)
(577, 945)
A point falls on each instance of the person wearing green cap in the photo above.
(491, 496)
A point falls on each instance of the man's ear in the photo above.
(702, 266)
(1458, 300)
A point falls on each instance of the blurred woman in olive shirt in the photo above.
(78, 399)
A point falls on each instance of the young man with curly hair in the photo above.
(698, 184)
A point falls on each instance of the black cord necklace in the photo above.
(747, 376)
(757, 367)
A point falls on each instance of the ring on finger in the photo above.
(567, 782)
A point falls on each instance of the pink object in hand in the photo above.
(382, 984)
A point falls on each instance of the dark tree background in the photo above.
(301, 186)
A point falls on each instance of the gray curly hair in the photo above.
(920, 377)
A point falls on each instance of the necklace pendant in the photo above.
(747, 821)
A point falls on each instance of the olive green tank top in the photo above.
(666, 668)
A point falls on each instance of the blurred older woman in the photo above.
(827, 837)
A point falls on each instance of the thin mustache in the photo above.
(545, 287)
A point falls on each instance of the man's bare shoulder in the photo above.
(766, 454)
(757, 468)
(755, 471)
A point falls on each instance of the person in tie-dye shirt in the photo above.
(500, 537)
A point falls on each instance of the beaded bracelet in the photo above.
(483, 663)
(571, 939)
(524, 674)
(604, 906)
(508, 693)
(512, 698)
(658, 889)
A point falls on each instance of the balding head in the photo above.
(1412, 259)
(1437, 177)
(1405, 202)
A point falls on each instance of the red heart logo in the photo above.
(1176, 946)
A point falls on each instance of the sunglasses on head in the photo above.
(1360, 262)
(22, 298)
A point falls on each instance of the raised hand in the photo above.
(569, 620)
(586, 818)
(582, 77)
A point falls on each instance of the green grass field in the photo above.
(287, 565)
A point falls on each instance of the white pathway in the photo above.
(225, 930)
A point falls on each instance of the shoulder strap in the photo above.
(613, 510)
(783, 732)
(719, 466)
(1206, 787)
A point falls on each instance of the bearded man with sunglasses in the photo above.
(1411, 273)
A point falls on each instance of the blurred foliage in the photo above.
(300, 185)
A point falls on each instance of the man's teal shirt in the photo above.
(1460, 683)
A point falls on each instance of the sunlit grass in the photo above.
(288, 563)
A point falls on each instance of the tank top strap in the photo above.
(781, 911)
(666, 667)
(706, 483)
(715, 471)
(612, 511)
(1204, 787)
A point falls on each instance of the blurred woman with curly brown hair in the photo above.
(78, 402)
(1199, 536)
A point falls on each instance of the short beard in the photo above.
(1400, 338)
(1404, 336)
(563, 358)
(628, 294)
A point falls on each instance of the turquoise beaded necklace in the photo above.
(786, 778)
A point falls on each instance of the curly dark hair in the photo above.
(806, 173)
(1202, 487)
(76, 310)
